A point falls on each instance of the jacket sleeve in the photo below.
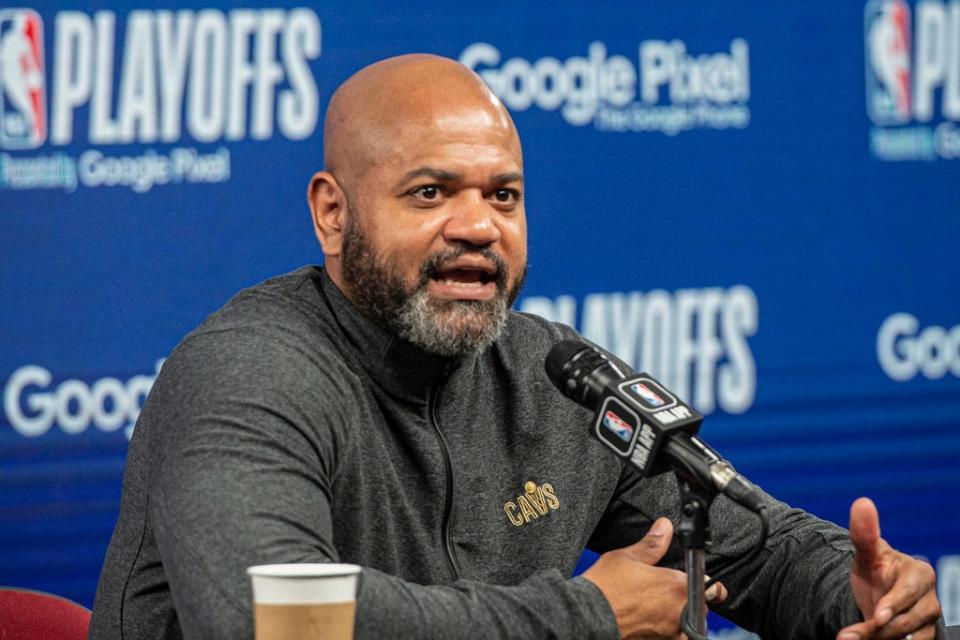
(238, 479)
(798, 586)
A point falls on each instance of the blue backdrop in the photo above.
(757, 203)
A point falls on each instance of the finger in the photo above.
(911, 593)
(865, 531)
(905, 624)
(716, 593)
(919, 621)
(924, 614)
(654, 545)
(859, 631)
(927, 633)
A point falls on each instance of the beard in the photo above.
(442, 327)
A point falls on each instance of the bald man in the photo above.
(389, 410)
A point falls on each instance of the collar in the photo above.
(401, 368)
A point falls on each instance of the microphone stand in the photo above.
(694, 532)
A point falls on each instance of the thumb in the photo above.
(865, 531)
(654, 545)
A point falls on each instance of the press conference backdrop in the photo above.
(759, 203)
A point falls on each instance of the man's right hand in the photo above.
(647, 600)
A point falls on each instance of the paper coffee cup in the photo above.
(311, 601)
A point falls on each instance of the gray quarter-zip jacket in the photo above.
(290, 428)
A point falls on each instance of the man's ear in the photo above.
(328, 208)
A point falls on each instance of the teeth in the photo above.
(472, 285)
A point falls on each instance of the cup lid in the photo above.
(304, 570)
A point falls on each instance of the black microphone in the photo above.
(641, 421)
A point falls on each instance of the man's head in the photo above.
(419, 210)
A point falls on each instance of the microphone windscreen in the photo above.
(560, 355)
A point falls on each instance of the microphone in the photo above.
(641, 421)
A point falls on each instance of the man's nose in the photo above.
(472, 220)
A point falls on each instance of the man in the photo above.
(389, 410)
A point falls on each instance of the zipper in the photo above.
(434, 417)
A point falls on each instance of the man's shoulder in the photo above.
(295, 296)
(270, 344)
(530, 336)
(285, 317)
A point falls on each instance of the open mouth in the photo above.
(471, 277)
(467, 277)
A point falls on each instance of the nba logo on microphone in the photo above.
(23, 117)
(618, 425)
(888, 58)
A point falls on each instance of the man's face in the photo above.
(435, 240)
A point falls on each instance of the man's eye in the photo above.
(427, 192)
(506, 196)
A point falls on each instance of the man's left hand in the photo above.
(895, 592)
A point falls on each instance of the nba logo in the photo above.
(651, 398)
(887, 39)
(23, 118)
(618, 425)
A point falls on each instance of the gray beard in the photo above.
(445, 328)
(460, 327)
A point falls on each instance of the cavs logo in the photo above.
(22, 92)
(535, 501)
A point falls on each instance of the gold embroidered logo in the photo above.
(534, 502)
